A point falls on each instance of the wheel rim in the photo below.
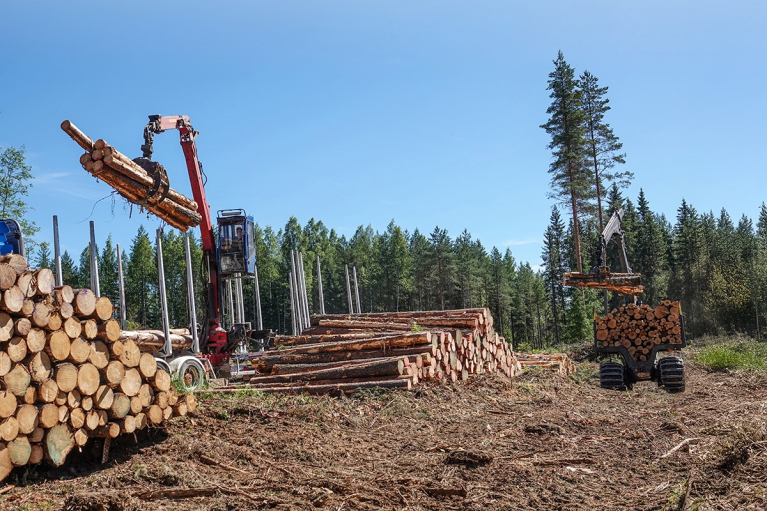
(191, 377)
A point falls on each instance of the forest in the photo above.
(716, 267)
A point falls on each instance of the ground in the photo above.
(539, 442)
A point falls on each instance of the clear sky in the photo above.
(425, 112)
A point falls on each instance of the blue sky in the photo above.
(361, 112)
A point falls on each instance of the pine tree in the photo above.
(602, 145)
(571, 178)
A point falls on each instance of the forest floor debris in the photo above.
(541, 441)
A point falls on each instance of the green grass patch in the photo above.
(733, 355)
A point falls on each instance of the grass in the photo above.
(733, 355)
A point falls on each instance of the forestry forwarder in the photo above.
(233, 256)
(667, 371)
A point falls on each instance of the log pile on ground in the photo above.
(65, 375)
(555, 362)
(134, 183)
(640, 327)
(345, 353)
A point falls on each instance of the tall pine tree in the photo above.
(602, 145)
(570, 177)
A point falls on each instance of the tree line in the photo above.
(717, 268)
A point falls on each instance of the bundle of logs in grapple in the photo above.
(133, 182)
(345, 353)
(640, 327)
(67, 371)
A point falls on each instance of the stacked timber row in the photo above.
(556, 362)
(343, 353)
(65, 374)
(640, 327)
(134, 183)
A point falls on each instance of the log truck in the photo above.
(667, 371)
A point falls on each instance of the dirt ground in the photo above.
(539, 442)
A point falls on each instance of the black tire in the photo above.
(612, 376)
(671, 374)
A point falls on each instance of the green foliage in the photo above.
(733, 355)
(15, 181)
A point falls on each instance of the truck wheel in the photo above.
(671, 371)
(191, 375)
(611, 376)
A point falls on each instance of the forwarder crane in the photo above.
(667, 371)
(234, 255)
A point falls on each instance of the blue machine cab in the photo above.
(236, 252)
(11, 239)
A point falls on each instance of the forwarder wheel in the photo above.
(671, 371)
(611, 376)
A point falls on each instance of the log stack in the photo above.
(640, 327)
(65, 375)
(133, 182)
(345, 353)
(555, 362)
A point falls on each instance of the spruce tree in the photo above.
(570, 176)
(554, 269)
(141, 281)
(442, 265)
(43, 259)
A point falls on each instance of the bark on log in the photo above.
(385, 367)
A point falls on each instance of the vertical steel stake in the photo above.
(319, 286)
(57, 252)
(356, 290)
(292, 305)
(167, 349)
(348, 290)
(121, 286)
(304, 295)
(94, 262)
(257, 291)
(190, 294)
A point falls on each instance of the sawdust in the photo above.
(540, 442)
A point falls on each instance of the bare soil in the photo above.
(539, 442)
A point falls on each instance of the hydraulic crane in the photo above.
(233, 256)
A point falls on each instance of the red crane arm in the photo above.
(216, 335)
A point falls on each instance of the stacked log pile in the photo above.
(65, 374)
(555, 362)
(133, 182)
(345, 353)
(640, 327)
